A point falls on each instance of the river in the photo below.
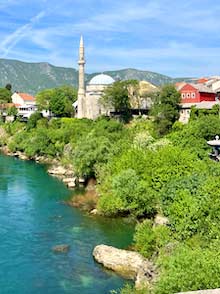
(33, 219)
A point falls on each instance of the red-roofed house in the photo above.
(23, 99)
(194, 93)
(198, 95)
(202, 80)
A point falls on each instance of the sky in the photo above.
(175, 38)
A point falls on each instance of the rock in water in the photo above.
(129, 264)
(63, 248)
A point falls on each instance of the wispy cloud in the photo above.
(10, 41)
(173, 37)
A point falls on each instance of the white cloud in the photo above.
(10, 41)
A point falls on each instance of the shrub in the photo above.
(189, 269)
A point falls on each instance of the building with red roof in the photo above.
(199, 95)
(21, 99)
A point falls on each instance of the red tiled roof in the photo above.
(26, 97)
(202, 80)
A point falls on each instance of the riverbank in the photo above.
(88, 196)
(54, 167)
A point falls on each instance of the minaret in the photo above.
(81, 90)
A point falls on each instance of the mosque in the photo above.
(88, 105)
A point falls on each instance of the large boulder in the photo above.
(129, 264)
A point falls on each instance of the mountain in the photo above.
(34, 77)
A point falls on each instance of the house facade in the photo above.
(199, 95)
(195, 93)
(23, 99)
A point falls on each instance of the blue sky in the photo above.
(176, 38)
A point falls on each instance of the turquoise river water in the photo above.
(33, 220)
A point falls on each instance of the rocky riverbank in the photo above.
(56, 169)
(129, 264)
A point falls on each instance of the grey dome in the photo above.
(101, 79)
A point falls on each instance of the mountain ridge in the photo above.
(32, 77)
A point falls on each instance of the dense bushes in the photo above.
(189, 269)
(149, 239)
(139, 175)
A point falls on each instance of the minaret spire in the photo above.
(81, 90)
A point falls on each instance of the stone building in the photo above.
(88, 104)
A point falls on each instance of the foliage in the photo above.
(33, 119)
(145, 239)
(43, 99)
(189, 269)
(8, 87)
(166, 109)
(198, 113)
(149, 239)
(116, 97)
(128, 195)
(128, 289)
(61, 101)
(89, 152)
(12, 111)
(140, 175)
(58, 100)
(5, 95)
(194, 136)
(97, 146)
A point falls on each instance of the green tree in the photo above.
(89, 152)
(43, 99)
(8, 87)
(58, 100)
(32, 121)
(5, 95)
(116, 97)
(166, 109)
(61, 101)
(12, 111)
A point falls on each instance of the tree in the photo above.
(32, 122)
(8, 87)
(58, 100)
(116, 96)
(5, 95)
(59, 104)
(12, 111)
(43, 99)
(166, 109)
(69, 92)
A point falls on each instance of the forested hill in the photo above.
(33, 77)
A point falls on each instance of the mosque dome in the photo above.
(101, 79)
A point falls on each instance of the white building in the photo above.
(20, 99)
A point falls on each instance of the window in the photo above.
(183, 95)
(188, 95)
(193, 95)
